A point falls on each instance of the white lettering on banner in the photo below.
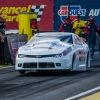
(94, 12)
(75, 12)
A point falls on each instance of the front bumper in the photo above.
(43, 63)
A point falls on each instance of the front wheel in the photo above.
(21, 71)
(73, 62)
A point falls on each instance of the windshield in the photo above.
(65, 38)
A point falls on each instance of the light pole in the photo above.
(69, 8)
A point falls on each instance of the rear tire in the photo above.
(21, 71)
(87, 59)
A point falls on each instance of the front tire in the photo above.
(73, 62)
(21, 71)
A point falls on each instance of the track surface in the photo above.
(46, 85)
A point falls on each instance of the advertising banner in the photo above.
(44, 9)
(85, 8)
(14, 42)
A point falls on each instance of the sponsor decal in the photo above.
(57, 44)
(40, 47)
(74, 10)
(15, 46)
(26, 48)
(65, 52)
(14, 42)
(81, 56)
(44, 48)
(94, 12)
(10, 14)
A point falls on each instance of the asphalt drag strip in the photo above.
(38, 85)
(49, 85)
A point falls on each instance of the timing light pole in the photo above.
(69, 8)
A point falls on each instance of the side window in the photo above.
(77, 40)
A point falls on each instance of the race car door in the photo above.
(79, 53)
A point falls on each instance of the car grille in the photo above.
(30, 65)
(40, 56)
(37, 56)
(46, 65)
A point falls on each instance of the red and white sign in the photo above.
(9, 11)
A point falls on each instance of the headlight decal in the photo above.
(57, 55)
(66, 51)
(20, 56)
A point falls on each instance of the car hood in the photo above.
(44, 47)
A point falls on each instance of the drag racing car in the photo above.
(53, 51)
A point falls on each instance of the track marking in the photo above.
(82, 94)
(95, 96)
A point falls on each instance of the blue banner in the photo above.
(85, 8)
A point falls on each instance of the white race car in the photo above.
(53, 51)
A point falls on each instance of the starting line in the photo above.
(82, 94)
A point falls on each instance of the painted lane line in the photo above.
(82, 94)
(6, 67)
